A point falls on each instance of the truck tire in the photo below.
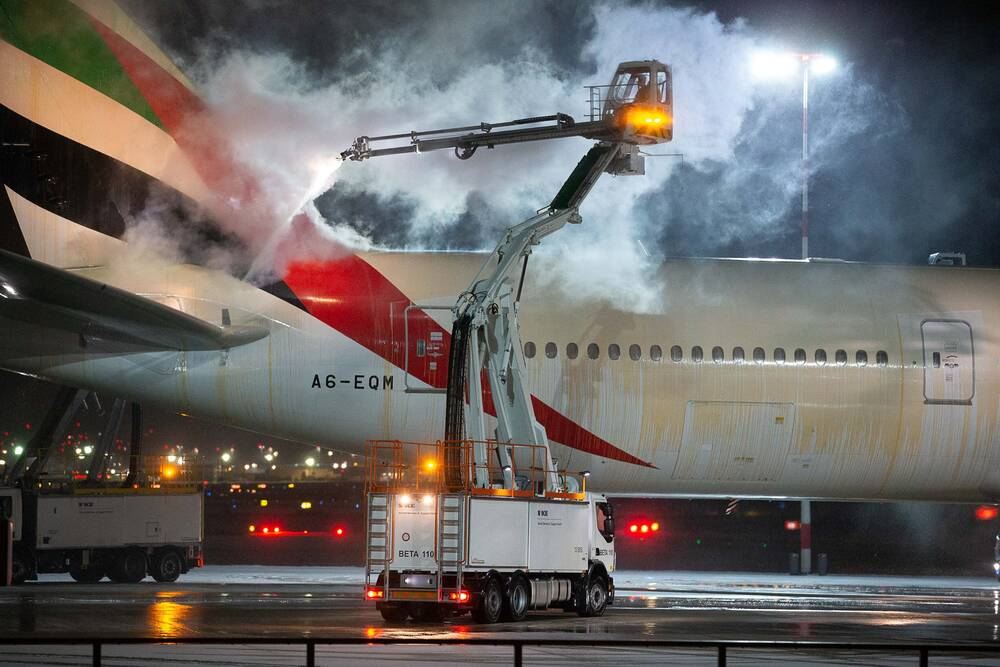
(489, 607)
(391, 612)
(86, 575)
(595, 596)
(426, 612)
(166, 566)
(129, 567)
(21, 566)
(517, 599)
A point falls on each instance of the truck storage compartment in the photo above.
(118, 519)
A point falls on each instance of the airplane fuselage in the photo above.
(748, 378)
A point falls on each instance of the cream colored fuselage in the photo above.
(885, 423)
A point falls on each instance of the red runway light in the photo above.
(644, 528)
(633, 528)
(339, 532)
(986, 512)
(791, 524)
(654, 526)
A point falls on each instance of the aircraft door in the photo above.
(426, 343)
(949, 362)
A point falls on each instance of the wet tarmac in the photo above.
(239, 603)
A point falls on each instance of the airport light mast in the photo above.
(635, 109)
(771, 65)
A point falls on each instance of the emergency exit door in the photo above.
(949, 362)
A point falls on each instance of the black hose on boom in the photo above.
(454, 415)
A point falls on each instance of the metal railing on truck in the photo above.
(723, 649)
(443, 474)
(476, 467)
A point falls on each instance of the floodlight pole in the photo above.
(805, 157)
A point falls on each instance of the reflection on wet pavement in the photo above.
(681, 609)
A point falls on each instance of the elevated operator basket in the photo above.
(638, 101)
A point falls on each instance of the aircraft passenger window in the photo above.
(738, 354)
(529, 350)
(572, 350)
(841, 357)
(697, 354)
(861, 357)
(820, 357)
(593, 351)
(676, 353)
(614, 352)
(551, 350)
(800, 355)
(656, 353)
(718, 356)
(779, 355)
(758, 355)
(882, 358)
(634, 352)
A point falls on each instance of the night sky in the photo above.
(906, 131)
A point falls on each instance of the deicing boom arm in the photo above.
(465, 140)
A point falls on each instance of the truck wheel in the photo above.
(595, 599)
(166, 566)
(21, 567)
(515, 604)
(394, 613)
(489, 608)
(129, 567)
(426, 612)
(87, 575)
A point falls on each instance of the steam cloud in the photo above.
(288, 109)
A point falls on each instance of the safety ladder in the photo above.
(451, 537)
(378, 540)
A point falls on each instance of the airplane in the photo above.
(750, 378)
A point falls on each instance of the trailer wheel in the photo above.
(129, 567)
(166, 566)
(595, 599)
(86, 575)
(489, 608)
(515, 604)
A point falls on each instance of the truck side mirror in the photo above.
(609, 526)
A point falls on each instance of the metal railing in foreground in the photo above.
(723, 649)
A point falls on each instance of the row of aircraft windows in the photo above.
(698, 354)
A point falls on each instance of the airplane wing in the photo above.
(34, 292)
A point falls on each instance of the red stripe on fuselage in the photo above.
(351, 296)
